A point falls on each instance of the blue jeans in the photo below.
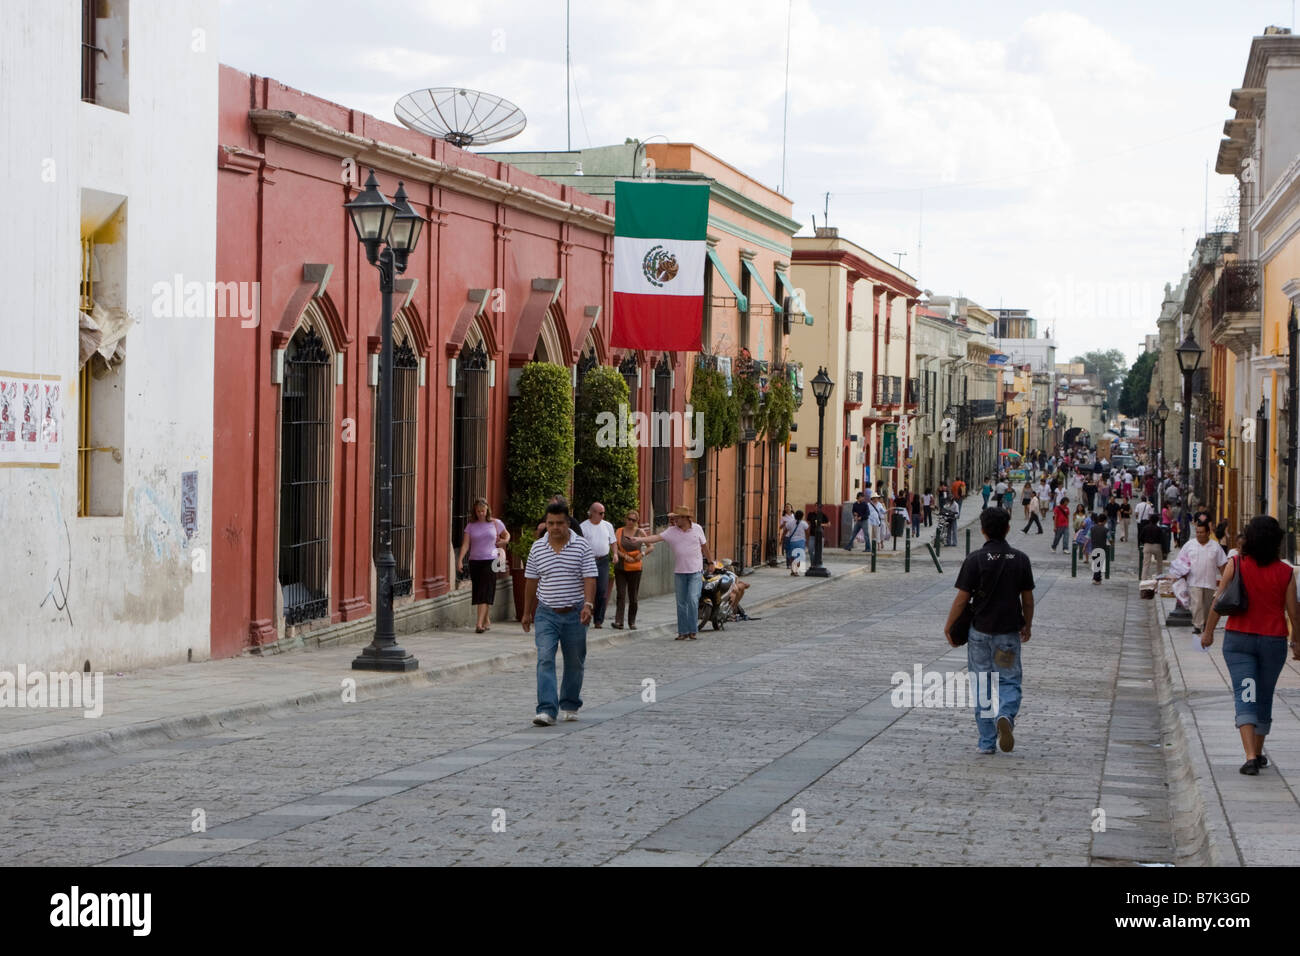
(998, 655)
(860, 524)
(551, 630)
(1258, 659)
(1062, 537)
(688, 587)
(602, 590)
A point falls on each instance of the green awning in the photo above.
(753, 273)
(741, 301)
(790, 291)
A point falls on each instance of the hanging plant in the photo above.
(778, 410)
(721, 411)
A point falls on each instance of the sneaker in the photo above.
(568, 715)
(544, 720)
(1005, 740)
(981, 750)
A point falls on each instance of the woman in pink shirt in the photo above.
(690, 553)
(483, 535)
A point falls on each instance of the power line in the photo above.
(1028, 172)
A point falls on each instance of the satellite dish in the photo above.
(462, 117)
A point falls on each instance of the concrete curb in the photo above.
(107, 743)
(1202, 836)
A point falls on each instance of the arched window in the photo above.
(306, 469)
(403, 463)
(469, 432)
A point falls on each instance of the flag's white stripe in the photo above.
(629, 259)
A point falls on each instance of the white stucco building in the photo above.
(108, 114)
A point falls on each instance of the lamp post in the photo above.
(1162, 416)
(821, 386)
(1044, 417)
(396, 227)
(1001, 415)
(1189, 357)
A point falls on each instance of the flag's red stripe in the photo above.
(669, 322)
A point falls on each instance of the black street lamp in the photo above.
(1162, 416)
(821, 386)
(1189, 359)
(396, 227)
(1001, 415)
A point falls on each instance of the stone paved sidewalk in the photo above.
(1248, 821)
(154, 705)
(182, 700)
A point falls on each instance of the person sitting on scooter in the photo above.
(734, 588)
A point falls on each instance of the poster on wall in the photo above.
(31, 419)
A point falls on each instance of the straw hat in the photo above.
(683, 511)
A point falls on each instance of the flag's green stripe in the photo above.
(659, 210)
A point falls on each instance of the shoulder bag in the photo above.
(961, 627)
(1233, 599)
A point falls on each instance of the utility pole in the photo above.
(568, 113)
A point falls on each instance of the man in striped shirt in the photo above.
(560, 592)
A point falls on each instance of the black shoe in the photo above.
(1251, 768)
(1261, 761)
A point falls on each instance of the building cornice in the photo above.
(303, 131)
(848, 260)
(1284, 195)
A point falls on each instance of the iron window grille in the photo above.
(307, 430)
(469, 437)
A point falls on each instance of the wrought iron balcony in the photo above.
(1235, 307)
(983, 407)
(854, 388)
(889, 391)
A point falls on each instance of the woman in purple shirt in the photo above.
(483, 535)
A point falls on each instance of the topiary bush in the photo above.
(604, 470)
(539, 449)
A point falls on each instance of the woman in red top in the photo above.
(1255, 643)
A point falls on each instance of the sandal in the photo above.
(478, 630)
(680, 637)
(690, 637)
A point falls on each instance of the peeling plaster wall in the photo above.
(119, 592)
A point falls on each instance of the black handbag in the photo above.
(1233, 599)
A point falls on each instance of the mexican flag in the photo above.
(659, 256)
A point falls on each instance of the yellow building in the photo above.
(1262, 149)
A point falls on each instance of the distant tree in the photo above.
(1133, 397)
(1109, 367)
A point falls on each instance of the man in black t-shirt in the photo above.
(861, 512)
(1002, 581)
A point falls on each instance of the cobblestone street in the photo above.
(773, 741)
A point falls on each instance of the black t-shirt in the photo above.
(1150, 534)
(1098, 534)
(1112, 509)
(996, 574)
(860, 510)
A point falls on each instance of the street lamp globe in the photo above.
(405, 230)
(1189, 354)
(372, 217)
(1162, 411)
(821, 386)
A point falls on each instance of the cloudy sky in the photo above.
(1041, 156)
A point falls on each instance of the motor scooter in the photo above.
(715, 596)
